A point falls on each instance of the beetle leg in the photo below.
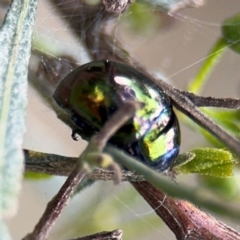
(74, 134)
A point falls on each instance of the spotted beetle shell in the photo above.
(93, 92)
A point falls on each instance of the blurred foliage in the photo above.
(223, 187)
(231, 32)
(140, 20)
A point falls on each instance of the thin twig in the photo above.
(48, 163)
(117, 121)
(56, 205)
(200, 101)
(52, 164)
(99, 141)
(113, 235)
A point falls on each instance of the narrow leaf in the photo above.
(15, 46)
(209, 161)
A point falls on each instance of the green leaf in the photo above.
(15, 42)
(231, 32)
(183, 158)
(209, 161)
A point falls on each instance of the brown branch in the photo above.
(56, 205)
(124, 113)
(48, 163)
(113, 235)
(183, 218)
(200, 101)
(62, 166)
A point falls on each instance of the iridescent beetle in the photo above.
(94, 91)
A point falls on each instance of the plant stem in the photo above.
(56, 205)
(212, 59)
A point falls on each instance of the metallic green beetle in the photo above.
(93, 92)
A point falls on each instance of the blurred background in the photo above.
(170, 46)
